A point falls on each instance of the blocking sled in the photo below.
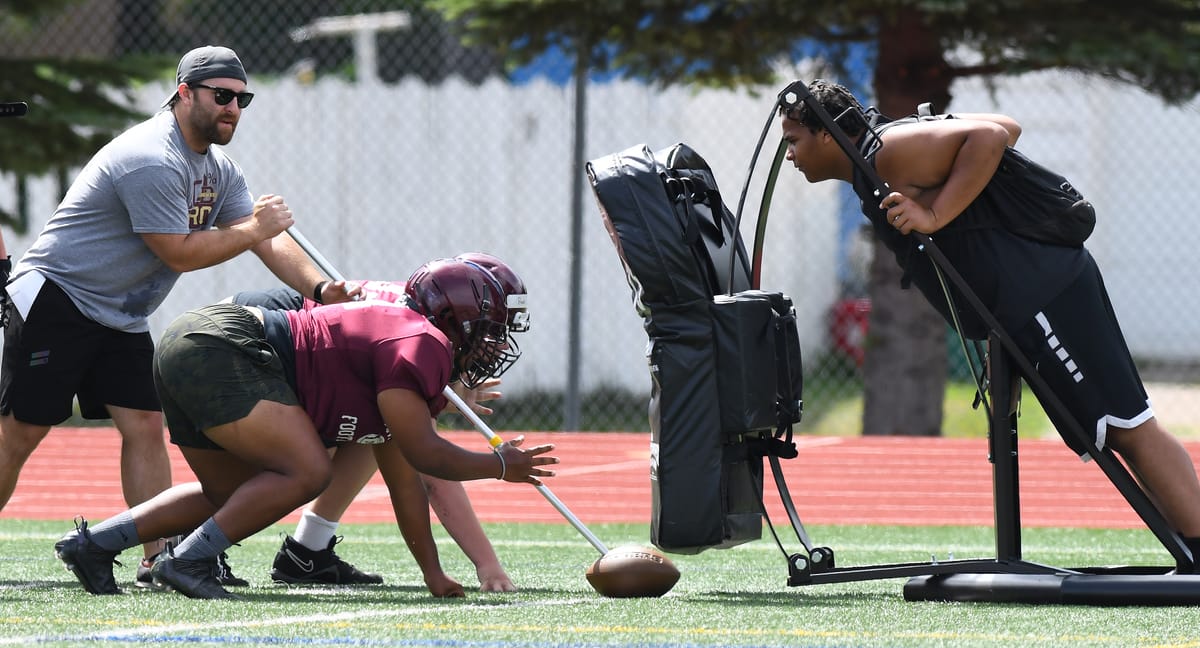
(724, 360)
(726, 390)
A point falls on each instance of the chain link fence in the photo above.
(394, 144)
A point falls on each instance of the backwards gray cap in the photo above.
(209, 62)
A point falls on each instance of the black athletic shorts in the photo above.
(212, 366)
(1077, 346)
(58, 354)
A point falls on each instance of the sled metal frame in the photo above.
(1007, 577)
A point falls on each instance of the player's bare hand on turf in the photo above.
(336, 292)
(494, 579)
(271, 215)
(442, 586)
(525, 464)
(906, 214)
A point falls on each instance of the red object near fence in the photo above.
(848, 327)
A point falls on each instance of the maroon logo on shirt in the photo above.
(204, 196)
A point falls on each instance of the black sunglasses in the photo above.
(224, 95)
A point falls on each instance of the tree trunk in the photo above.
(905, 368)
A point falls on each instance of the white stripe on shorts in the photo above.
(1059, 351)
(1073, 369)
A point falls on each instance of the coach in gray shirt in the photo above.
(159, 200)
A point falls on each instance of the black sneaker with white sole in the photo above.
(193, 578)
(297, 564)
(92, 565)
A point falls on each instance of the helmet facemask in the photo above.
(488, 352)
(496, 352)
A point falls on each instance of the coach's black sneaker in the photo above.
(193, 578)
(92, 565)
(296, 563)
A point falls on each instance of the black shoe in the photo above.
(143, 571)
(225, 575)
(296, 563)
(193, 578)
(92, 565)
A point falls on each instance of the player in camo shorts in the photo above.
(254, 398)
(308, 556)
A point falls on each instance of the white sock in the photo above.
(314, 531)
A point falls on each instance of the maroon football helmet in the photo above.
(516, 297)
(465, 302)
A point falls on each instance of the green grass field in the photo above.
(734, 597)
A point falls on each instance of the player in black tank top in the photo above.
(1050, 298)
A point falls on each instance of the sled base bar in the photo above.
(819, 576)
(1117, 586)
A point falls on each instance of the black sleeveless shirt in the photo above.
(1013, 277)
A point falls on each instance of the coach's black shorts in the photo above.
(58, 354)
(1077, 346)
(212, 366)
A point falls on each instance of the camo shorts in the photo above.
(212, 366)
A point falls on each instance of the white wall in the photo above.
(383, 178)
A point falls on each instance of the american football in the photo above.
(632, 571)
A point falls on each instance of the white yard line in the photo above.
(129, 633)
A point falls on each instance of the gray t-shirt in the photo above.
(146, 181)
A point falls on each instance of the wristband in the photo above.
(317, 291)
(503, 466)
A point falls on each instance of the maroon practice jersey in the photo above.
(347, 353)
